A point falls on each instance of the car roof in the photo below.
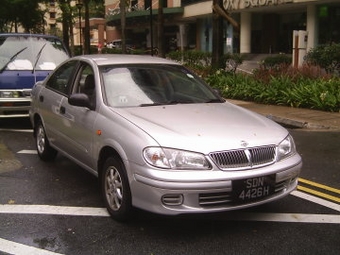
(109, 59)
(27, 35)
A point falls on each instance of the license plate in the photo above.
(253, 188)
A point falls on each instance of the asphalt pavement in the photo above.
(295, 117)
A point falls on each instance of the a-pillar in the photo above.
(312, 27)
(245, 33)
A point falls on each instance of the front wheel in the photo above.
(115, 189)
(45, 151)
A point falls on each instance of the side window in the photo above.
(86, 83)
(61, 79)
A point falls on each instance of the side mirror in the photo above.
(81, 100)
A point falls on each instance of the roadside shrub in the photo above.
(325, 56)
(200, 62)
(119, 51)
(296, 88)
(306, 71)
(276, 61)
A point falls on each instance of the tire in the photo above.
(45, 151)
(115, 189)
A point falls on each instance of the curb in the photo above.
(299, 124)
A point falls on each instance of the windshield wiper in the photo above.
(173, 102)
(179, 102)
(38, 57)
(11, 59)
(150, 104)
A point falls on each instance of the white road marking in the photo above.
(17, 130)
(53, 210)
(290, 217)
(21, 249)
(27, 152)
(101, 212)
(316, 200)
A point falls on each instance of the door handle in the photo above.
(62, 109)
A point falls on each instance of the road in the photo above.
(56, 208)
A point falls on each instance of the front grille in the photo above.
(15, 104)
(15, 113)
(244, 158)
(21, 103)
(225, 199)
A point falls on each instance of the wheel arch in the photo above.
(36, 119)
(105, 153)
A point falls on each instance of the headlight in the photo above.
(9, 94)
(286, 148)
(175, 159)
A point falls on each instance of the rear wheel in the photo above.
(45, 151)
(115, 189)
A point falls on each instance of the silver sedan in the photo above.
(159, 138)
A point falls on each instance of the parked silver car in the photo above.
(159, 138)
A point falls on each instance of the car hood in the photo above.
(204, 127)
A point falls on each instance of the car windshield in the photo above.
(150, 85)
(30, 53)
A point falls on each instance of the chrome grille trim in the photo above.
(213, 199)
(244, 158)
(225, 199)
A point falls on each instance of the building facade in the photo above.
(250, 26)
(53, 25)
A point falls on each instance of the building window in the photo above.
(52, 2)
(52, 15)
(329, 17)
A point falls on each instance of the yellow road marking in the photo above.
(321, 186)
(318, 193)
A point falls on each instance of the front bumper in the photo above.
(212, 192)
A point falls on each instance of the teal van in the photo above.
(24, 60)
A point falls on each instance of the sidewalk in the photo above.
(294, 117)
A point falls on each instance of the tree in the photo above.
(20, 12)
(160, 27)
(122, 6)
(67, 22)
(93, 8)
(87, 3)
(219, 13)
(217, 49)
(5, 15)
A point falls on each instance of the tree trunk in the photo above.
(217, 47)
(87, 46)
(122, 7)
(160, 27)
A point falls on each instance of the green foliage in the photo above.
(276, 61)
(23, 12)
(119, 51)
(200, 62)
(326, 56)
(291, 88)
